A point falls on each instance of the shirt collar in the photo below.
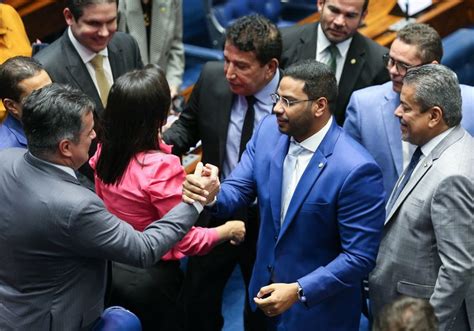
(427, 148)
(263, 95)
(85, 53)
(66, 169)
(312, 143)
(15, 126)
(323, 43)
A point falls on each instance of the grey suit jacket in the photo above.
(428, 244)
(363, 67)
(166, 34)
(55, 238)
(65, 66)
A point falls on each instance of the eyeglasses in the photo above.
(402, 68)
(286, 103)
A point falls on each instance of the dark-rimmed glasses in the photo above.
(402, 68)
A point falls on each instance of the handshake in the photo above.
(202, 186)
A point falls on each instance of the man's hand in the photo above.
(277, 298)
(201, 186)
(233, 231)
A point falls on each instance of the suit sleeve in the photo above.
(93, 232)
(360, 217)
(175, 64)
(452, 216)
(352, 122)
(184, 133)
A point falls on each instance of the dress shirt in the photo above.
(323, 55)
(263, 106)
(310, 145)
(87, 55)
(407, 152)
(12, 134)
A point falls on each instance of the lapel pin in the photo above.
(320, 165)
(425, 164)
(353, 61)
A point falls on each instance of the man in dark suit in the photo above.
(56, 235)
(90, 54)
(321, 203)
(228, 100)
(355, 59)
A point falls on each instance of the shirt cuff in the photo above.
(198, 206)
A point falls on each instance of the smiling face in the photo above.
(414, 124)
(96, 27)
(245, 74)
(340, 19)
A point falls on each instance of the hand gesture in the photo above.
(201, 186)
(276, 298)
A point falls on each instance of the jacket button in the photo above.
(276, 238)
(270, 268)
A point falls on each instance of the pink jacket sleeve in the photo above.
(165, 189)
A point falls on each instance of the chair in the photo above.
(118, 319)
(459, 54)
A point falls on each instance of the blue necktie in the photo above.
(411, 166)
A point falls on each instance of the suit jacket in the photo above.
(65, 66)
(166, 34)
(330, 236)
(427, 249)
(371, 121)
(206, 117)
(55, 238)
(363, 67)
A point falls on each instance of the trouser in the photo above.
(206, 277)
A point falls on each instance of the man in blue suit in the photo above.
(370, 115)
(321, 203)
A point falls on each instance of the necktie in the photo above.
(247, 128)
(102, 82)
(406, 177)
(333, 54)
(291, 169)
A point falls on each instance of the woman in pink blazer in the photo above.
(140, 181)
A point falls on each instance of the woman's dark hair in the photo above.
(137, 108)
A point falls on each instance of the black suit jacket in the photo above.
(206, 117)
(65, 66)
(363, 67)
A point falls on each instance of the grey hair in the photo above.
(437, 85)
(51, 114)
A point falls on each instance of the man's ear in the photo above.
(320, 106)
(64, 148)
(272, 67)
(436, 116)
(68, 16)
(12, 107)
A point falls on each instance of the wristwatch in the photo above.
(301, 296)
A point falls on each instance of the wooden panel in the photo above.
(40, 17)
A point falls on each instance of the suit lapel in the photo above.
(312, 172)
(392, 129)
(276, 176)
(115, 58)
(423, 168)
(77, 70)
(353, 65)
(225, 101)
(307, 47)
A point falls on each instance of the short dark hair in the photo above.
(436, 85)
(77, 6)
(426, 40)
(364, 6)
(256, 33)
(319, 80)
(51, 114)
(137, 108)
(407, 314)
(15, 70)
